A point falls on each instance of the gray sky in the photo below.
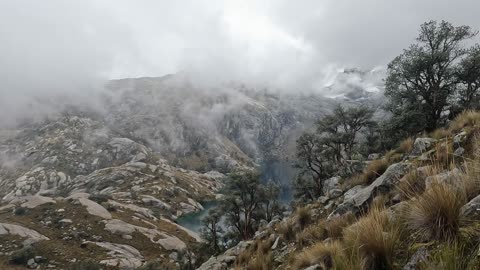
(69, 47)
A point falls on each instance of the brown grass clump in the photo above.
(444, 154)
(332, 229)
(303, 217)
(286, 230)
(260, 262)
(411, 185)
(453, 256)
(322, 253)
(406, 146)
(374, 170)
(436, 213)
(373, 238)
(465, 119)
(440, 133)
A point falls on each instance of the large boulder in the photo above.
(450, 177)
(21, 231)
(225, 260)
(330, 184)
(382, 184)
(471, 210)
(421, 145)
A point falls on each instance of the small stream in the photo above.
(279, 171)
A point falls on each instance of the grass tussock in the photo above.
(374, 170)
(322, 253)
(466, 119)
(453, 256)
(286, 231)
(303, 217)
(406, 146)
(440, 133)
(327, 229)
(411, 185)
(372, 241)
(436, 213)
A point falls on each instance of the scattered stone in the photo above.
(451, 177)
(460, 138)
(471, 210)
(421, 145)
(459, 151)
(382, 184)
(36, 200)
(418, 258)
(32, 264)
(18, 230)
(95, 209)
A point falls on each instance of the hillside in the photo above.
(417, 207)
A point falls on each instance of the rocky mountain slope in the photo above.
(108, 184)
(420, 212)
(82, 190)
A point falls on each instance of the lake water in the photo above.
(279, 171)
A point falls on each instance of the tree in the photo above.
(270, 204)
(212, 230)
(469, 75)
(328, 151)
(241, 202)
(423, 78)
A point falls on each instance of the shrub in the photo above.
(20, 211)
(21, 256)
(322, 253)
(99, 198)
(85, 265)
(436, 213)
(373, 238)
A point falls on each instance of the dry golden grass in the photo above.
(373, 238)
(260, 262)
(436, 213)
(443, 154)
(286, 231)
(374, 170)
(440, 133)
(303, 217)
(332, 228)
(411, 185)
(465, 119)
(322, 253)
(406, 146)
(453, 256)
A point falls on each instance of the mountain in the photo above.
(109, 183)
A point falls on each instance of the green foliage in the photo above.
(422, 81)
(20, 211)
(212, 230)
(326, 152)
(21, 256)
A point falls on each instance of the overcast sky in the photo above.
(67, 47)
